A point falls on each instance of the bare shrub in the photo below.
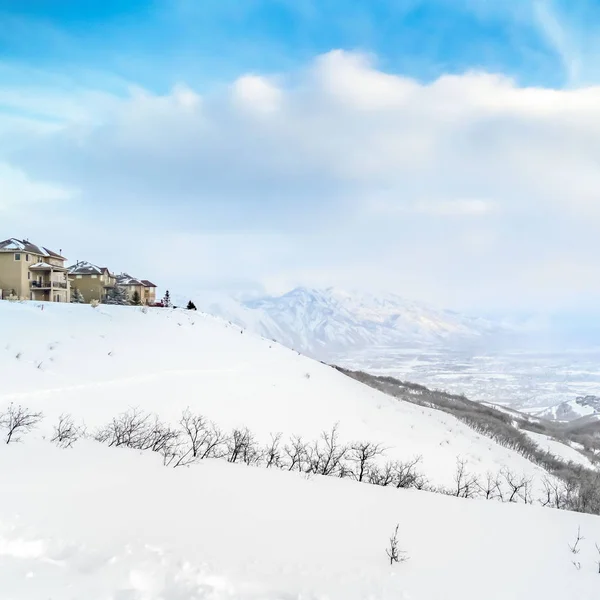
(129, 429)
(297, 454)
(66, 433)
(18, 420)
(466, 485)
(490, 488)
(383, 476)
(519, 486)
(586, 492)
(242, 446)
(556, 494)
(203, 438)
(575, 549)
(362, 455)
(160, 438)
(326, 454)
(273, 453)
(394, 554)
(405, 474)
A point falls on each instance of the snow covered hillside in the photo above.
(322, 322)
(582, 406)
(103, 523)
(100, 523)
(95, 363)
(561, 450)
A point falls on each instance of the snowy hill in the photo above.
(97, 522)
(322, 322)
(582, 406)
(97, 362)
(100, 523)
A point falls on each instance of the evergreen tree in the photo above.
(116, 295)
(135, 299)
(167, 299)
(191, 305)
(77, 296)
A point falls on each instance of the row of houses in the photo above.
(31, 272)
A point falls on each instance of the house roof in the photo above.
(86, 268)
(126, 279)
(42, 266)
(16, 245)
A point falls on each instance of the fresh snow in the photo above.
(560, 450)
(95, 363)
(570, 410)
(106, 523)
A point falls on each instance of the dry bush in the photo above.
(18, 420)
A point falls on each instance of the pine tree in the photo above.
(116, 295)
(167, 299)
(135, 299)
(77, 296)
(191, 305)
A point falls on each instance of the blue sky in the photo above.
(162, 41)
(443, 149)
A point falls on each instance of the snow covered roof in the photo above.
(42, 266)
(16, 245)
(126, 279)
(86, 268)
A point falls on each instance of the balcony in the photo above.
(48, 285)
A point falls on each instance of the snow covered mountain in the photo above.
(582, 406)
(321, 323)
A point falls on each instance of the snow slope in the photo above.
(570, 410)
(323, 322)
(95, 363)
(559, 450)
(99, 523)
(106, 523)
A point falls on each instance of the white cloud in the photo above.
(473, 177)
(18, 189)
(256, 94)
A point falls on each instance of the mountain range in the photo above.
(321, 323)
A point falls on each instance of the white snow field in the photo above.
(561, 451)
(99, 523)
(95, 363)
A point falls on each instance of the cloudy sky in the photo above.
(447, 150)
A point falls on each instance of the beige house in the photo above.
(31, 272)
(92, 281)
(145, 289)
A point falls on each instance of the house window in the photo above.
(17, 256)
(27, 257)
(28, 275)
(94, 276)
(77, 276)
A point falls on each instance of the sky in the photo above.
(445, 150)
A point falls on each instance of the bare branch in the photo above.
(18, 421)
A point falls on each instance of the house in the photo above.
(31, 272)
(145, 289)
(149, 296)
(92, 281)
